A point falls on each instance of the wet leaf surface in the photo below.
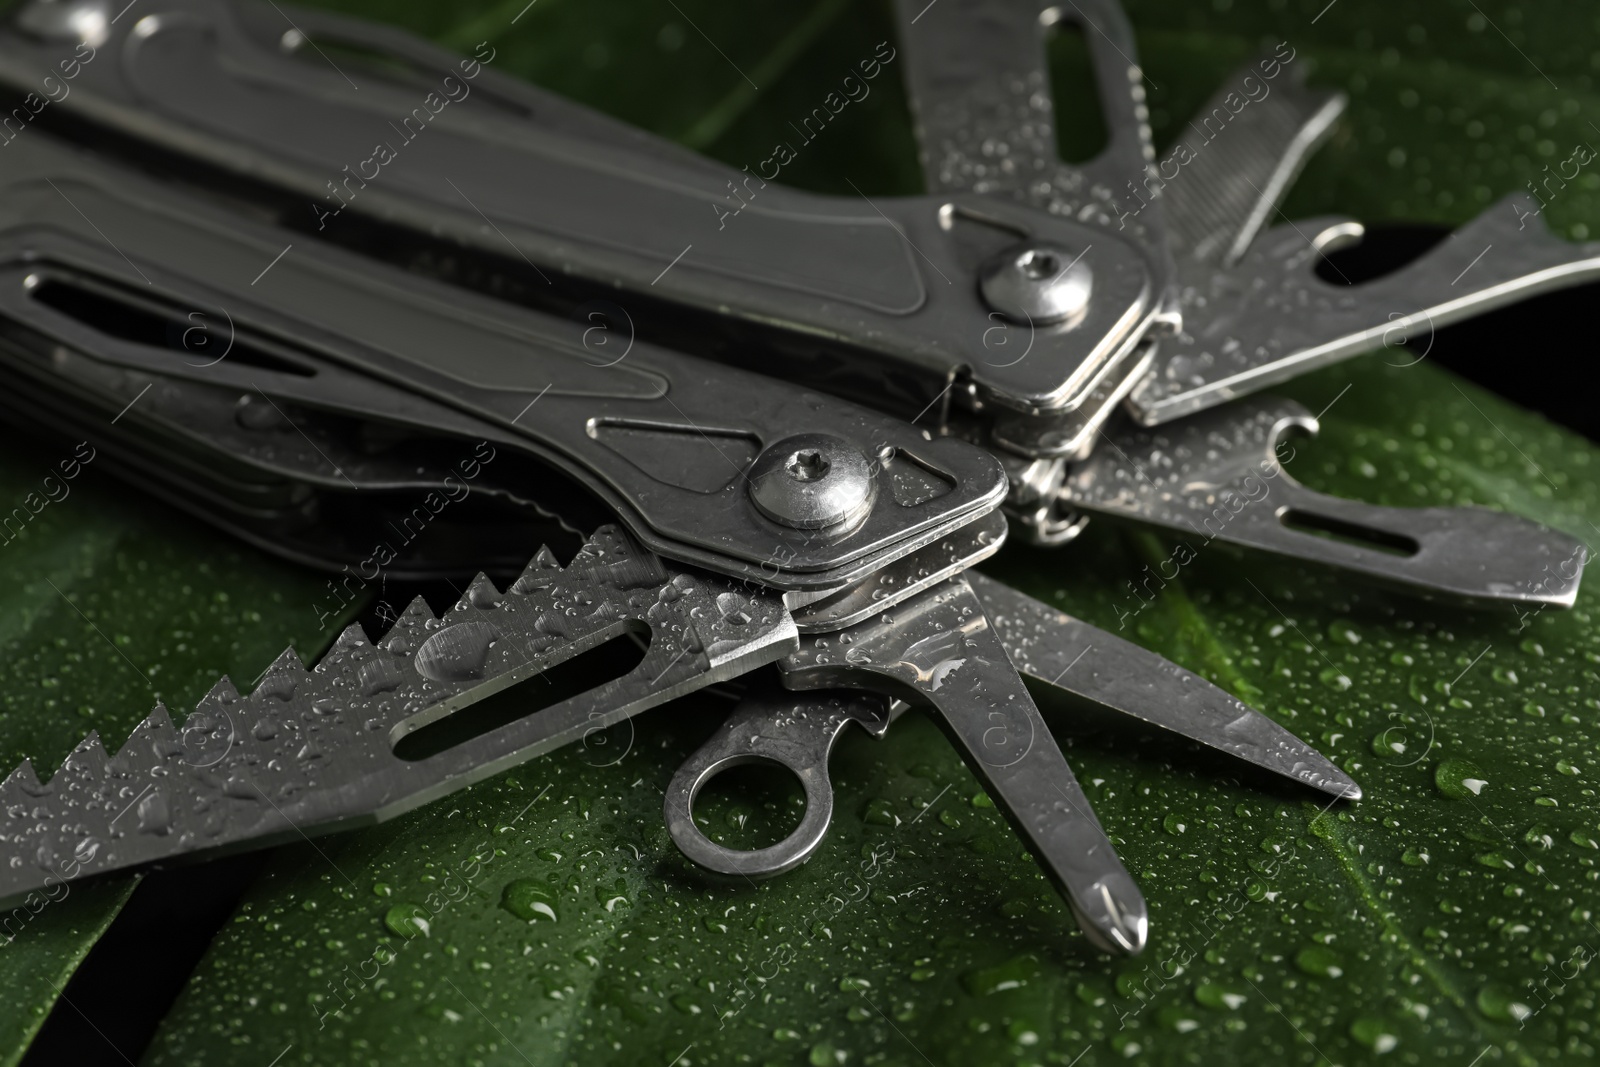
(110, 604)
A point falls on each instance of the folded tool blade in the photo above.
(1051, 646)
(308, 752)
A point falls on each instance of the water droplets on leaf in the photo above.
(1219, 997)
(530, 900)
(1012, 974)
(1500, 1004)
(1319, 962)
(1459, 779)
(409, 921)
(1374, 1033)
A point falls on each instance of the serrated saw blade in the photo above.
(313, 751)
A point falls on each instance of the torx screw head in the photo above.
(1038, 282)
(85, 21)
(807, 465)
(811, 481)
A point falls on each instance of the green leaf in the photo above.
(544, 916)
(109, 604)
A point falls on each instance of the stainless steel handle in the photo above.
(678, 446)
(513, 173)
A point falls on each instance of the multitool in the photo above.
(294, 294)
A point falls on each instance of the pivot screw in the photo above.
(811, 481)
(1038, 282)
(807, 465)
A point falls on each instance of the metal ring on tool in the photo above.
(796, 731)
(786, 855)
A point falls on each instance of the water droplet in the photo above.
(456, 653)
(881, 813)
(1390, 742)
(1497, 1003)
(1178, 1018)
(409, 921)
(1319, 962)
(1012, 974)
(380, 676)
(1459, 779)
(1342, 632)
(155, 816)
(1211, 995)
(1335, 679)
(823, 1054)
(529, 900)
(1374, 1033)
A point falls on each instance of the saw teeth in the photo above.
(86, 764)
(281, 680)
(481, 594)
(351, 637)
(223, 692)
(322, 734)
(592, 552)
(288, 662)
(23, 782)
(154, 735)
(537, 574)
(351, 646)
(417, 611)
(409, 629)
